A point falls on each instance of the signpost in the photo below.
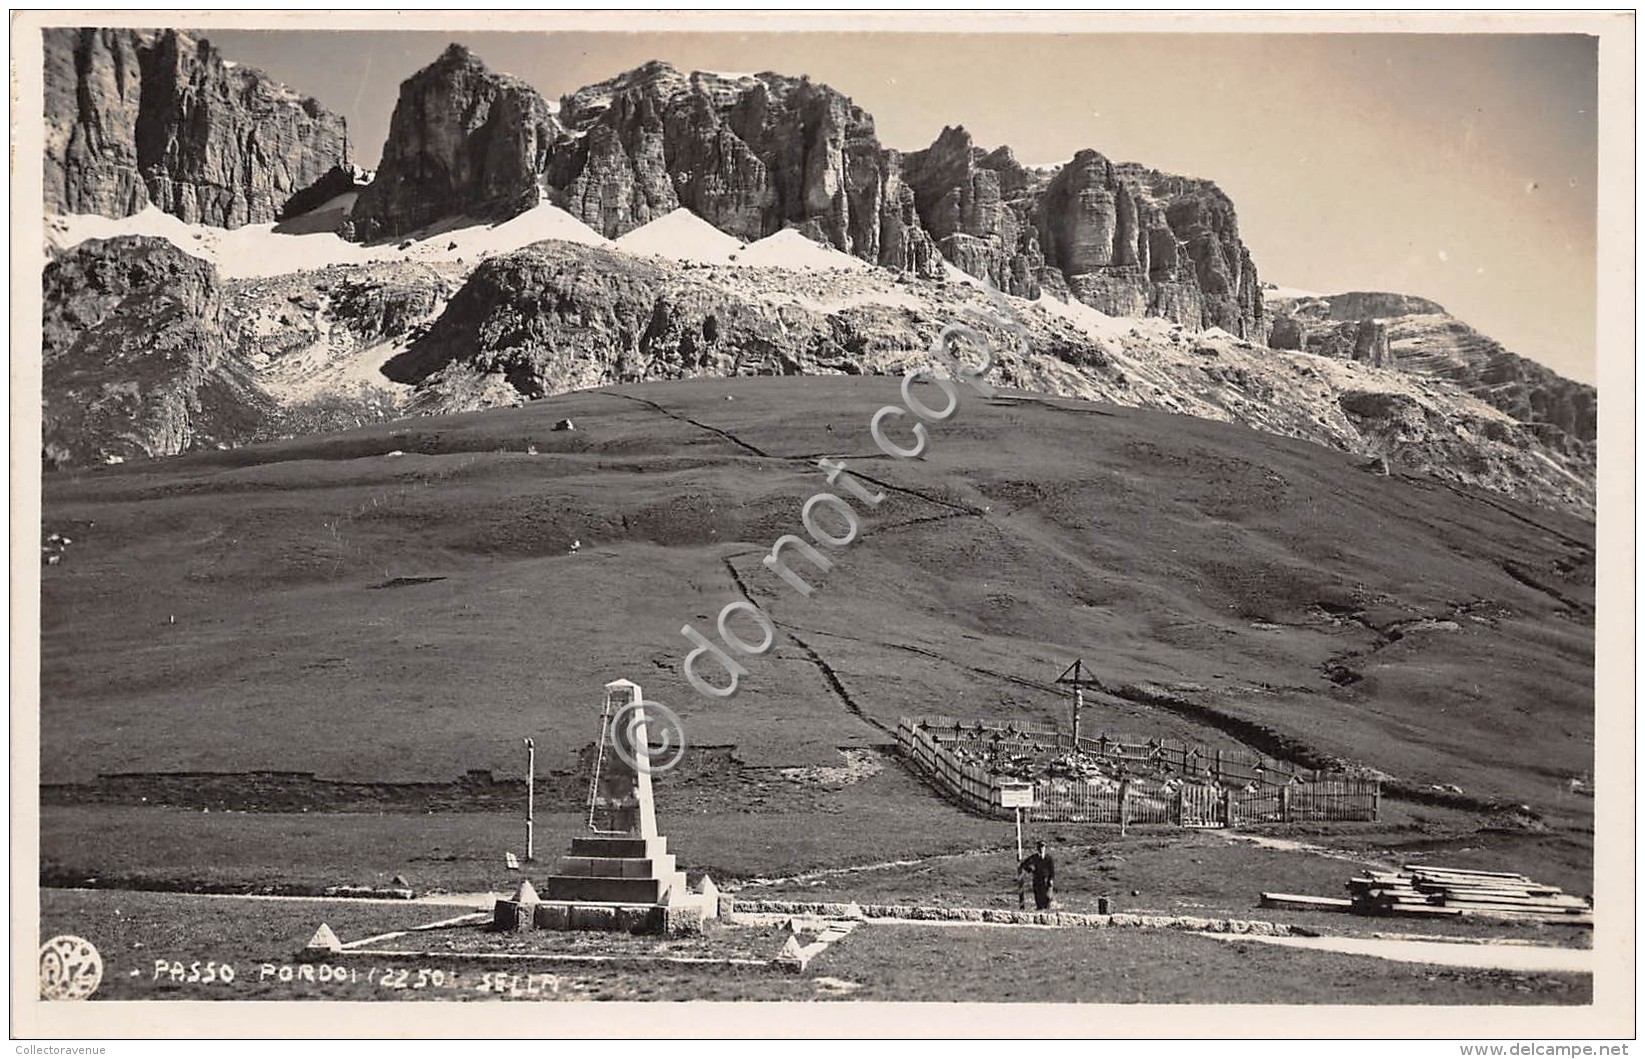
(1018, 796)
(530, 795)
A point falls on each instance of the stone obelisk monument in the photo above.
(619, 875)
(619, 798)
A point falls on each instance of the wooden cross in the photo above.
(1075, 675)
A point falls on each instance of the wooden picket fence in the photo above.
(1275, 795)
(1225, 766)
(976, 788)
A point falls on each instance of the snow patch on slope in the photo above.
(468, 240)
(258, 251)
(323, 219)
(789, 249)
(252, 251)
(1099, 325)
(959, 275)
(314, 373)
(681, 236)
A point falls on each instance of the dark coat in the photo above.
(1043, 868)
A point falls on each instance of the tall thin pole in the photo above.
(1079, 704)
(530, 797)
(1019, 834)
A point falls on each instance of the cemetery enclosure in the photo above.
(1118, 780)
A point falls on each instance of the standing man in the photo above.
(1043, 869)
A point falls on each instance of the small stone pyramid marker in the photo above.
(324, 940)
(526, 894)
(792, 955)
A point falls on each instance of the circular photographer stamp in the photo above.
(70, 968)
(649, 732)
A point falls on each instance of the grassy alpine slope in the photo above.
(404, 603)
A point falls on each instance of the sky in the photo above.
(1458, 167)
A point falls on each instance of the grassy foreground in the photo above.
(150, 944)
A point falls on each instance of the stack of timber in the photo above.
(1425, 890)
(1307, 903)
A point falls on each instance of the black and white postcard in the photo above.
(904, 525)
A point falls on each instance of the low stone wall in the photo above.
(1005, 915)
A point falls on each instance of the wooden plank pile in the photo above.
(1426, 890)
(1307, 903)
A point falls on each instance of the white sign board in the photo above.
(1017, 795)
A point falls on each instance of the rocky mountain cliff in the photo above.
(136, 117)
(1134, 285)
(463, 141)
(753, 154)
(1418, 336)
(136, 362)
(1122, 239)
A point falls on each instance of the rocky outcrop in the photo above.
(1418, 336)
(1287, 332)
(1094, 234)
(905, 245)
(1360, 305)
(1427, 436)
(309, 321)
(1371, 344)
(1563, 412)
(135, 361)
(1363, 340)
(1123, 239)
(135, 117)
(463, 141)
(1209, 263)
(317, 339)
(558, 317)
(977, 207)
(616, 176)
(93, 91)
(751, 155)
